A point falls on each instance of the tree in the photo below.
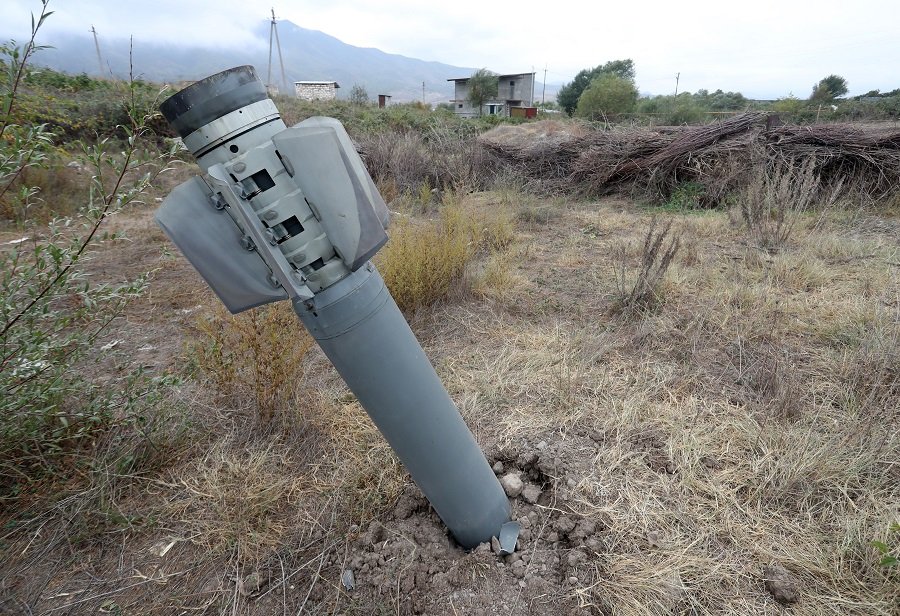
(483, 86)
(358, 95)
(787, 104)
(569, 94)
(828, 89)
(607, 94)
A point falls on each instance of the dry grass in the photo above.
(235, 499)
(749, 421)
(426, 260)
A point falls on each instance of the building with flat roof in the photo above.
(316, 90)
(513, 91)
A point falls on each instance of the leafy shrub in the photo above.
(607, 95)
(51, 313)
(686, 196)
(683, 111)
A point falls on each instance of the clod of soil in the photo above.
(781, 584)
(512, 484)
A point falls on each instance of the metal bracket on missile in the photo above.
(290, 279)
(200, 226)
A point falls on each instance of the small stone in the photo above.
(573, 580)
(542, 445)
(571, 482)
(495, 545)
(348, 579)
(498, 467)
(781, 584)
(552, 537)
(483, 547)
(522, 584)
(531, 493)
(512, 484)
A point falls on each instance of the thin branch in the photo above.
(26, 53)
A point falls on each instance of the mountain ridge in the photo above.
(308, 55)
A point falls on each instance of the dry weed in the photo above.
(259, 354)
(642, 293)
(774, 199)
(426, 260)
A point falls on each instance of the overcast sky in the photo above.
(765, 49)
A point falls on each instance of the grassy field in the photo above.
(738, 427)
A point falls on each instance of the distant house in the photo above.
(316, 90)
(514, 92)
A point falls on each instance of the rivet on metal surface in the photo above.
(247, 243)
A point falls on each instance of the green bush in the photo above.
(52, 315)
(683, 111)
(607, 95)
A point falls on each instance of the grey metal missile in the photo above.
(292, 213)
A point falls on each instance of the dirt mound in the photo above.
(409, 562)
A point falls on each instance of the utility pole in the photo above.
(97, 47)
(677, 77)
(273, 37)
(544, 90)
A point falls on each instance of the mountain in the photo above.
(308, 55)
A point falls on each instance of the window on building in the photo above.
(460, 105)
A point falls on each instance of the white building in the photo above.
(316, 90)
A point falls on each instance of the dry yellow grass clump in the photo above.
(426, 260)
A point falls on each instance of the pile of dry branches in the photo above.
(720, 157)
